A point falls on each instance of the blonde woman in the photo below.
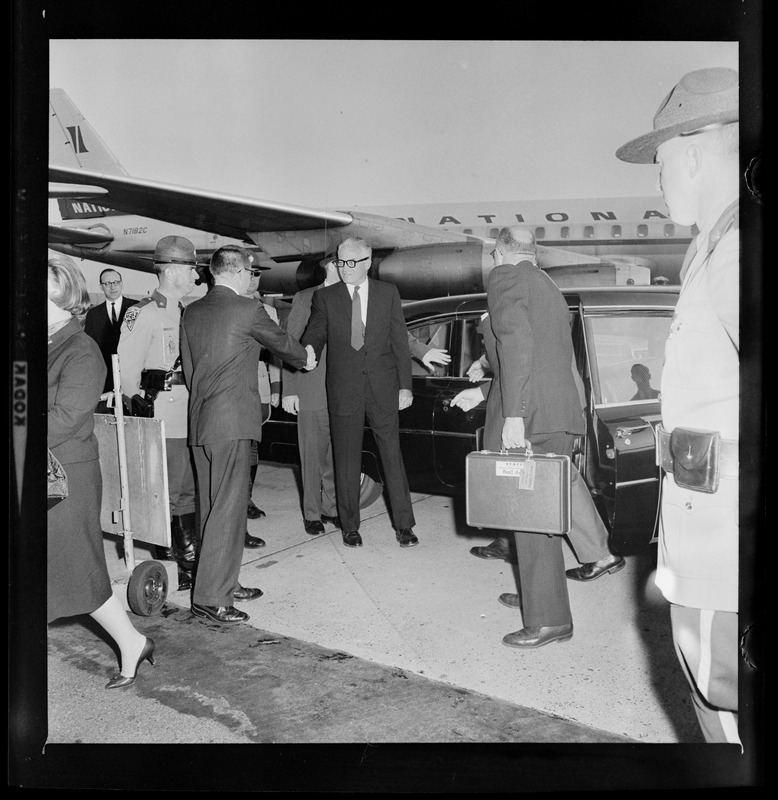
(77, 573)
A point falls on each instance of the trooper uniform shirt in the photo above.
(698, 549)
(150, 340)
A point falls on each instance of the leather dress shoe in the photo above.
(313, 526)
(332, 520)
(352, 539)
(253, 512)
(244, 593)
(253, 541)
(497, 549)
(219, 613)
(594, 569)
(406, 537)
(510, 600)
(530, 638)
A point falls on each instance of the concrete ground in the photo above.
(429, 611)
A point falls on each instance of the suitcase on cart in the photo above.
(522, 491)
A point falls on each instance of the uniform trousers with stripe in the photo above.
(706, 643)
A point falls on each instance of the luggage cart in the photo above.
(135, 492)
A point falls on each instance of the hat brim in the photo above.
(643, 149)
(177, 263)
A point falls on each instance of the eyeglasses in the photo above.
(255, 273)
(110, 283)
(350, 263)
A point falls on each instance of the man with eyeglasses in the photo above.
(104, 322)
(150, 369)
(222, 334)
(361, 322)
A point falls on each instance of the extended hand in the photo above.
(406, 398)
(435, 356)
(513, 433)
(476, 371)
(468, 398)
(312, 362)
(291, 404)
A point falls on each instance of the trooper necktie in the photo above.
(357, 329)
(113, 313)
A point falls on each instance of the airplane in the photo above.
(427, 250)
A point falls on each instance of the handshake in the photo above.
(312, 362)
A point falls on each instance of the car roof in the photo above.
(590, 297)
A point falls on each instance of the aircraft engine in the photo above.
(435, 270)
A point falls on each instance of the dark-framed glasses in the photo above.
(350, 263)
(111, 283)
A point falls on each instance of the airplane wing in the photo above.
(224, 214)
(59, 234)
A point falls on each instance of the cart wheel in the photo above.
(369, 491)
(147, 588)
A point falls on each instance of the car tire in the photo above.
(369, 491)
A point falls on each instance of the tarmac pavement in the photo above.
(383, 652)
(429, 611)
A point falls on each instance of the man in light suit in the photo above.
(221, 335)
(368, 375)
(533, 400)
(104, 322)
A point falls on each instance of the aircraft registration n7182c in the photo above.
(426, 250)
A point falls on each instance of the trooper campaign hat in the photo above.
(175, 250)
(700, 100)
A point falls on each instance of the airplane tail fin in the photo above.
(73, 142)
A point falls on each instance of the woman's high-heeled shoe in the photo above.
(119, 681)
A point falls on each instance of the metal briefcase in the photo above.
(519, 491)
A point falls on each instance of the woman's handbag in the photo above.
(58, 481)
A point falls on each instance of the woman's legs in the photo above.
(112, 616)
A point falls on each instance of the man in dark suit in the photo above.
(368, 375)
(221, 335)
(104, 322)
(533, 399)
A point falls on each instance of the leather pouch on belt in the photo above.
(141, 406)
(695, 456)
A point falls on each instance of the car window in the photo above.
(472, 346)
(435, 335)
(626, 354)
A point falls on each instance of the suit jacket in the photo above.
(385, 358)
(310, 387)
(98, 325)
(530, 350)
(221, 339)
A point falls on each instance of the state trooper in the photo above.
(151, 376)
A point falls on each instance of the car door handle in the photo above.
(623, 431)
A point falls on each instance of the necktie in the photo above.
(357, 329)
(113, 313)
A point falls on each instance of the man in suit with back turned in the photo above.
(368, 375)
(104, 322)
(221, 338)
(534, 401)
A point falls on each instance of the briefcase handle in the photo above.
(503, 452)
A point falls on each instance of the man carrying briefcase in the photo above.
(533, 399)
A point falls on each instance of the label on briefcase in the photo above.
(524, 471)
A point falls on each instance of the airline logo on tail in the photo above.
(76, 139)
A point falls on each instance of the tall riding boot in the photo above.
(253, 512)
(184, 548)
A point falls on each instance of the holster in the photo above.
(691, 456)
(142, 406)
